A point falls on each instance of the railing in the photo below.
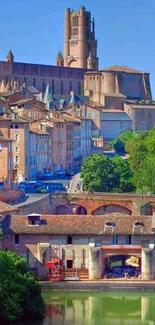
(81, 273)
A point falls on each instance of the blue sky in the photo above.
(125, 29)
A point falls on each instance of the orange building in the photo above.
(19, 132)
(5, 153)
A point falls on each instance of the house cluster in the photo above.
(35, 139)
(44, 132)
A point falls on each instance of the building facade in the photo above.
(118, 83)
(87, 245)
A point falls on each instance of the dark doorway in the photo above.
(69, 264)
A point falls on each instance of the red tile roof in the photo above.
(78, 224)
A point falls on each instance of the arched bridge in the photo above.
(102, 203)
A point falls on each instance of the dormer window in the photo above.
(35, 220)
(110, 224)
(139, 224)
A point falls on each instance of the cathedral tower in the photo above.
(79, 40)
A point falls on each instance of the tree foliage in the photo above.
(103, 174)
(20, 291)
(119, 144)
(141, 152)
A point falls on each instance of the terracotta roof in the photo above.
(118, 68)
(4, 207)
(38, 131)
(4, 139)
(22, 101)
(70, 118)
(78, 224)
(114, 95)
(19, 119)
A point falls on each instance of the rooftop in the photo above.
(78, 224)
(118, 68)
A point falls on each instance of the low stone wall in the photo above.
(41, 205)
(99, 286)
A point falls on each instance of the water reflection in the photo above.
(98, 309)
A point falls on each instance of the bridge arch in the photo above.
(62, 209)
(111, 208)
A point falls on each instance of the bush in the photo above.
(20, 291)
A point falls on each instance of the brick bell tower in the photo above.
(80, 45)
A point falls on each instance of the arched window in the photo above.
(16, 137)
(53, 87)
(11, 126)
(70, 86)
(62, 87)
(79, 88)
(34, 82)
(6, 79)
(44, 85)
(16, 126)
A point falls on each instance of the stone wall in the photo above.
(41, 206)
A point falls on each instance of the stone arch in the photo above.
(78, 209)
(62, 209)
(111, 208)
(73, 63)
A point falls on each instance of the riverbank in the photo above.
(111, 286)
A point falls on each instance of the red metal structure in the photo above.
(56, 272)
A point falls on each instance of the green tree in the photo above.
(98, 173)
(103, 174)
(122, 168)
(20, 291)
(119, 144)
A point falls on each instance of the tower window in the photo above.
(53, 88)
(44, 85)
(70, 86)
(34, 82)
(62, 87)
(79, 88)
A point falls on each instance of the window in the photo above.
(16, 126)
(34, 83)
(25, 80)
(70, 86)
(16, 149)
(79, 88)
(15, 78)
(16, 239)
(69, 240)
(115, 240)
(16, 159)
(11, 126)
(16, 137)
(44, 85)
(53, 88)
(62, 87)
(6, 79)
(128, 240)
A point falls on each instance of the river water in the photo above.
(86, 308)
